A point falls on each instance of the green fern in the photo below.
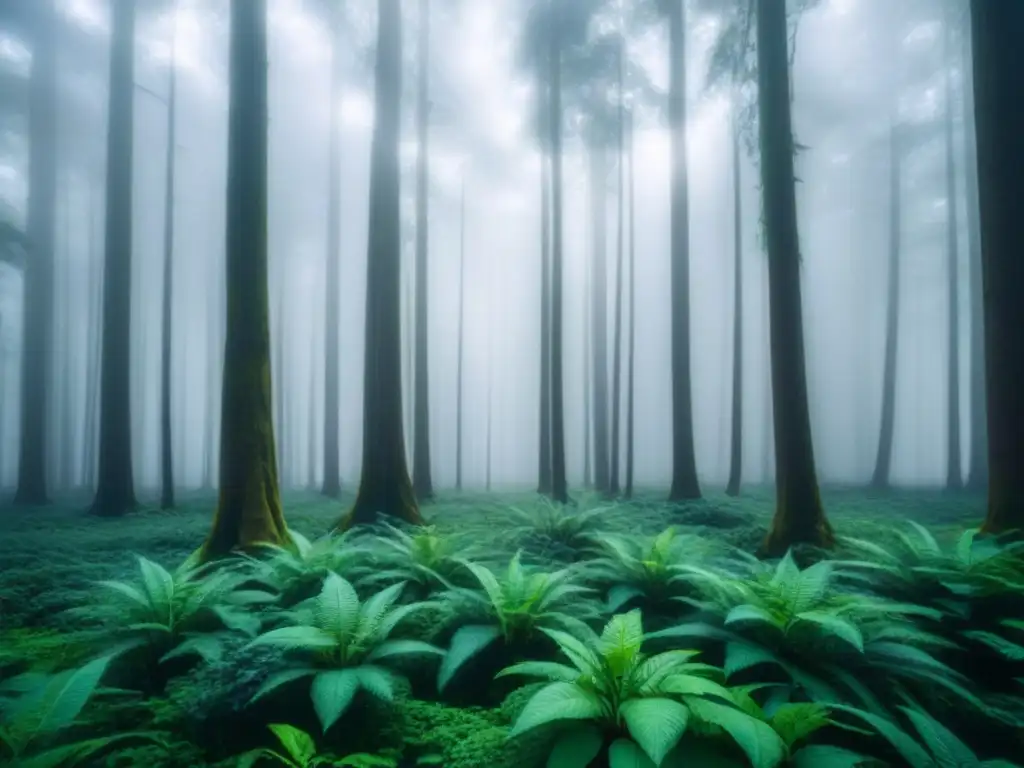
(513, 608)
(556, 531)
(346, 646)
(610, 685)
(300, 752)
(424, 559)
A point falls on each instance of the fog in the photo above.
(855, 64)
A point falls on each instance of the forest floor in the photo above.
(50, 556)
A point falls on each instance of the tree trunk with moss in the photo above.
(115, 492)
(423, 483)
(732, 488)
(166, 452)
(799, 515)
(999, 118)
(384, 484)
(37, 322)
(249, 512)
(684, 461)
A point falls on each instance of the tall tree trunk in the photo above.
(799, 515)
(115, 492)
(999, 118)
(384, 485)
(684, 460)
(462, 334)
(559, 489)
(599, 314)
(94, 298)
(422, 481)
(249, 511)
(63, 435)
(311, 423)
(332, 342)
(977, 477)
(544, 454)
(37, 323)
(732, 488)
(166, 449)
(954, 475)
(883, 459)
(631, 361)
(615, 452)
(490, 402)
(588, 388)
(279, 373)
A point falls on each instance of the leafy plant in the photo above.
(612, 688)
(514, 607)
(558, 532)
(38, 709)
(425, 558)
(300, 752)
(175, 614)
(345, 644)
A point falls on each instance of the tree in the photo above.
(883, 458)
(544, 454)
(613, 480)
(954, 474)
(736, 437)
(627, 490)
(332, 341)
(462, 334)
(799, 515)
(166, 452)
(37, 325)
(999, 118)
(384, 484)
(249, 512)
(115, 492)
(684, 460)
(423, 484)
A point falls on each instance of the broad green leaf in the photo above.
(835, 626)
(66, 694)
(624, 753)
(278, 679)
(392, 648)
(797, 721)
(944, 745)
(620, 595)
(811, 586)
(826, 756)
(741, 655)
(466, 643)
(576, 748)
(299, 744)
(159, 586)
(579, 654)
(332, 693)
(337, 607)
(691, 685)
(554, 702)
(310, 638)
(377, 681)
(620, 641)
(909, 749)
(548, 670)
(74, 754)
(127, 590)
(208, 647)
(762, 745)
(655, 724)
(489, 584)
(750, 614)
(1005, 648)
(652, 670)
(373, 614)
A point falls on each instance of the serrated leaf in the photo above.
(750, 614)
(797, 721)
(548, 670)
(620, 595)
(1005, 648)
(278, 679)
(336, 610)
(310, 638)
(620, 641)
(656, 724)
(299, 744)
(466, 643)
(835, 626)
(554, 702)
(762, 745)
(332, 694)
(947, 749)
(741, 655)
(208, 647)
(392, 648)
(624, 753)
(908, 749)
(377, 681)
(576, 748)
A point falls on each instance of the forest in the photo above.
(511, 383)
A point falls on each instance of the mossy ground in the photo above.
(50, 559)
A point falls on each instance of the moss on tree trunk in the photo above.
(249, 509)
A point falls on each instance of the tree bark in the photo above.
(38, 275)
(615, 452)
(954, 474)
(544, 472)
(599, 315)
(588, 388)
(999, 118)
(422, 481)
(684, 461)
(559, 488)
(883, 458)
(249, 512)
(166, 450)
(332, 342)
(627, 490)
(115, 493)
(732, 488)
(799, 515)
(977, 477)
(462, 334)
(384, 485)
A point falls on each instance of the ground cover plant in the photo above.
(657, 642)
